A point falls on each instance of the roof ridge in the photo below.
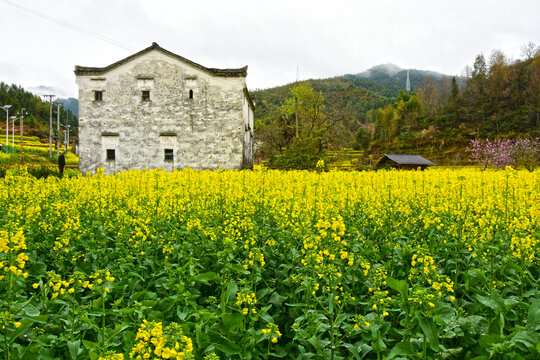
(88, 70)
(407, 158)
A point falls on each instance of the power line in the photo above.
(70, 26)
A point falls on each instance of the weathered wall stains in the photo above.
(211, 129)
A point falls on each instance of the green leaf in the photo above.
(90, 345)
(444, 313)
(487, 341)
(495, 303)
(277, 299)
(400, 286)
(232, 321)
(266, 317)
(227, 346)
(402, 348)
(118, 329)
(474, 324)
(318, 344)
(363, 348)
(181, 313)
(533, 319)
(25, 324)
(206, 277)
(31, 310)
(263, 292)
(352, 349)
(41, 319)
(229, 293)
(74, 348)
(526, 339)
(134, 274)
(296, 305)
(430, 330)
(238, 268)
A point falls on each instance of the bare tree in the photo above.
(529, 50)
(429, 95)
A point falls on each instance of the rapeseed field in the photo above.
(263, 264)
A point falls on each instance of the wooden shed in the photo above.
(404, 161)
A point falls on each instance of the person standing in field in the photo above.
(61, 163)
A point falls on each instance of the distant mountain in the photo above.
(71, 104)
(391, 78)
(389, 69)
(68, 103)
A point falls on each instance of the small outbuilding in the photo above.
(404, 161)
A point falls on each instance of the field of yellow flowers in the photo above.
(439, 264)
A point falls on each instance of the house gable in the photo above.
(165, 111)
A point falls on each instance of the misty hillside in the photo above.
(71, 104)
(390, 78)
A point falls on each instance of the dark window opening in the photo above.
(169, 155)
(146, 95)
(111, 156)
(98, 95)
(191, 94)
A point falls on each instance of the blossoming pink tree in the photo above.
(505, 152)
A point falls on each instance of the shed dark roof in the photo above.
(85, 70)
(408, 159)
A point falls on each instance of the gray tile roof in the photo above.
(409, 159)
(86, 70)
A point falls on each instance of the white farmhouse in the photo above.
(156, 109)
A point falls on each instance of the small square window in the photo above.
(111, 156)
(98, 95)
(169, 155)
(146, 95)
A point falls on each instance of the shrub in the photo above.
(43, 172)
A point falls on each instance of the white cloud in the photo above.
(323, 38)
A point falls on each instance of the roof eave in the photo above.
(92, 71)
(249, 99)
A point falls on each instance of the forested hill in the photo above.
(351, 95)
(348, 100)
(36, 121)
(370, 111)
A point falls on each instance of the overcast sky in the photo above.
(321, 38)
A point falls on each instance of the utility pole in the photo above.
(13, 136)
(6, 109)
(67, 137)
(50, 122)
(22, 149)
(66, 132)
(58, 130)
